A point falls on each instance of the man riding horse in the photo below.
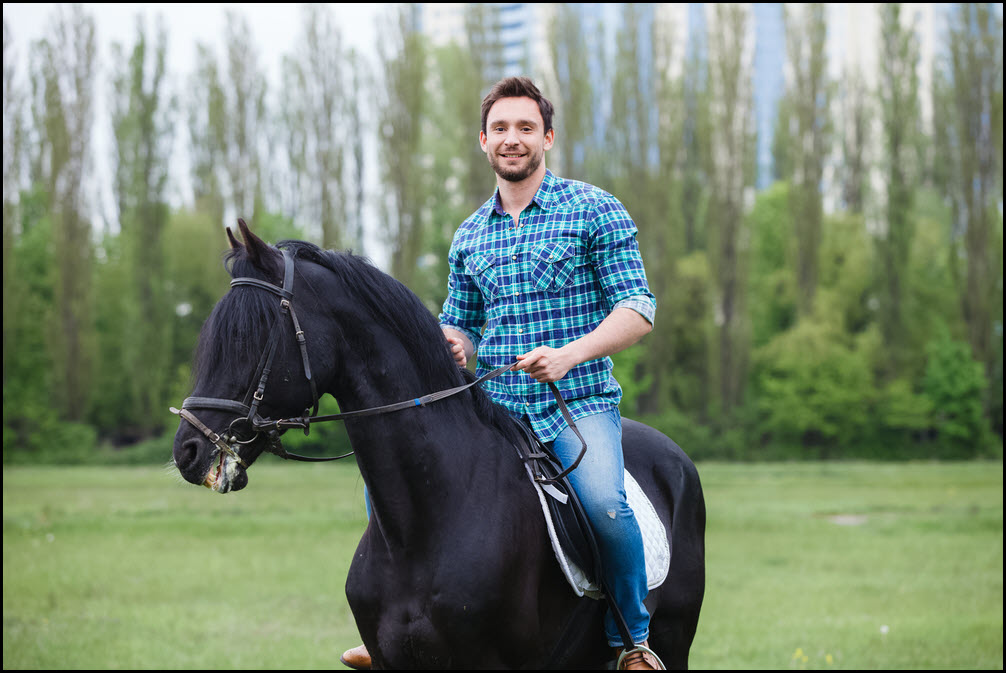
(548, 271)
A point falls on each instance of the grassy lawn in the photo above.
(810, 565)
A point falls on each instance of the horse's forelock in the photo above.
(239, 324)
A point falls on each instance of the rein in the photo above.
(249, 424)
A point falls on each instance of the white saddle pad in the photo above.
(656, 549)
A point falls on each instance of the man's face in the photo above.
(515, 140)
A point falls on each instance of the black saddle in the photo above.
(575, 534)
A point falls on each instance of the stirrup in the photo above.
(641, 649)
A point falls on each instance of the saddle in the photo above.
(570, 532)
(569, 521)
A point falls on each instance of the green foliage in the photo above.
(772, 287)
(901, 411)
(631, 371)
(955, 385)
(100, 323)
(696, 438)
(812, 386)
(27, 379)
(683, 321)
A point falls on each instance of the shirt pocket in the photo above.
(482, 268)
(552, 266)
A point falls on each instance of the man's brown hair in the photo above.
(517, 87)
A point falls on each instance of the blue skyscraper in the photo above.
(769, 81)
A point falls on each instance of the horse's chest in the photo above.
(433, 617)
(425, 631)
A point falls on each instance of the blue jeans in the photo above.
(599, 482)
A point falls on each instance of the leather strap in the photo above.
(210, 435)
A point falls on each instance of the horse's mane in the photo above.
(247, 319)
(249, 315)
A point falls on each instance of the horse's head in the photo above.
(368, 341)
(252, 365)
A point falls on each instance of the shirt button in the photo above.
(514, 258)
(520, 331)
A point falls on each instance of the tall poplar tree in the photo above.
(461, 180)
(245, 90)
(810, 127)
(975, 82)
(643, 144)
(401, 106)
(576, 89)
(64, 65)
(696, 141)
(856, 117)
(324, 97)
(207, 121)
(898, 96)
(358, 109)
(13, 170)
(138, 335)
(731, 170)
(316, 112)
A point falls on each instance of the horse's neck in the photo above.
(415, 462)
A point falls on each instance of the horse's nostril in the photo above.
(186, 454)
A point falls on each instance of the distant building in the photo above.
(853, 46)
(769, 82)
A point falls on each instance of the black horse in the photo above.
(455, 569)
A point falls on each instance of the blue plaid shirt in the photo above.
(569, 262)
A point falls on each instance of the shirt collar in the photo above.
(544, 197)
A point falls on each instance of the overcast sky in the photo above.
(275, 27)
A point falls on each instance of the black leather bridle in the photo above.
(249, 425)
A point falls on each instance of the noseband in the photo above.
(248, 426)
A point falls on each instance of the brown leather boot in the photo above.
(638, 658)
(358, 658)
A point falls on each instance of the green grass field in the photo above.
(809, 566)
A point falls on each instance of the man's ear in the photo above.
(482, 140)
(549, 138)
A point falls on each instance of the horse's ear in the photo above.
(259, 252)
(233, 241)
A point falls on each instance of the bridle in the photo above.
(249, 425)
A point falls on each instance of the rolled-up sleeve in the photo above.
(464, 308)
(619, 264)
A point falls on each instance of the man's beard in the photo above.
(515, 174)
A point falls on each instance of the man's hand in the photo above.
(622, 328)
(457, 347)
(545, 364)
